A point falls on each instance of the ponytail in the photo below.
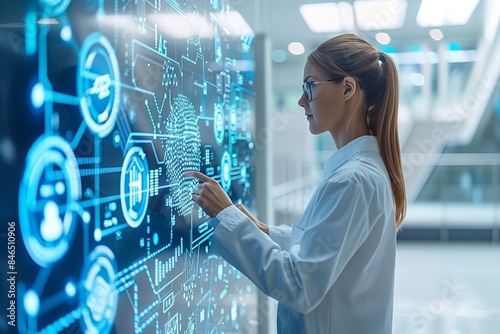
(384, 124)
(376, 72)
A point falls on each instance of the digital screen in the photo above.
(104, 105)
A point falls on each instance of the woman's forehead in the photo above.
(311, 71)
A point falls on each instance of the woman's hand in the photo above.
(209, 195)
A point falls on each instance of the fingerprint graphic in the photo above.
(183, 152)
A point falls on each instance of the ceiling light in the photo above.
(436, 34)
(279, 56)
(328, 17)
(173, 24)
(383, 38)
(380, 14)
(233, 23)
(445, 12)
(296, 48)
(417, 79)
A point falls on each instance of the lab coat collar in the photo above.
(358, 145)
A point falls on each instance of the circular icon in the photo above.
(99, 298)
(49, 189)
(183, 152)
(225, 172)
(55, 7)
(219, 124)
(98, 84)
(134, 186)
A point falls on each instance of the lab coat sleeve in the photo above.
(301, 277)
(281, 235)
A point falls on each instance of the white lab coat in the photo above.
(333, 271)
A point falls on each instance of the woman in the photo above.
(333, 271)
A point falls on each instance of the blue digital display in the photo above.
(116, 99)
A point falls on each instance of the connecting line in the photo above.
(226, 31)
(137, 89)
(148, 321)
(105, 170)
(78, 136)
(41, 279)
(237, 87)
(42, 59)
(139, 263)
(63, 98)
(63, 322)
(124, 280)
(51, 302)
(150, 115)
(97, 201)
(113, 229)
(203, 237)
(175, 5)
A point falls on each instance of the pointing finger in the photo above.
(197, 175)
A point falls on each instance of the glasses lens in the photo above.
(306, 88)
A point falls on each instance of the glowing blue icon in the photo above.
(37, 95)
(48, 194)
(101, 87)
(98, 84)
(99, 298)
(134, 186)
(51, 227)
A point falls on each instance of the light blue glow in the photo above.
(31, 303)
(38, 95)
(86, 217)
(454, 47)
(70, 289)
(415, 48)
(51, 227)
(97, 234)
(60, 188)
(279, 56)
(155, 239)
(66, 33)
(46, 190)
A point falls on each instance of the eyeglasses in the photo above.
(307, 87)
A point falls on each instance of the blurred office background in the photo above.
(448, 266)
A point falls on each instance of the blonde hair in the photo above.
(376, 73)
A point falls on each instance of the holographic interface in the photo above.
(131, 94)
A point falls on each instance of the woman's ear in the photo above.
(350, 87)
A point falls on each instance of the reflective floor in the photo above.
(448, 288)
